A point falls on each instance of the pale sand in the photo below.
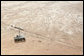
(50, 27)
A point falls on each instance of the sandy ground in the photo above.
(50, 27)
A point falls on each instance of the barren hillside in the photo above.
(50, 27)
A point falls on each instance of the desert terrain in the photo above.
(50, 27)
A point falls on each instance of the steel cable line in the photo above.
(47, 38)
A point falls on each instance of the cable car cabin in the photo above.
(19, 38)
